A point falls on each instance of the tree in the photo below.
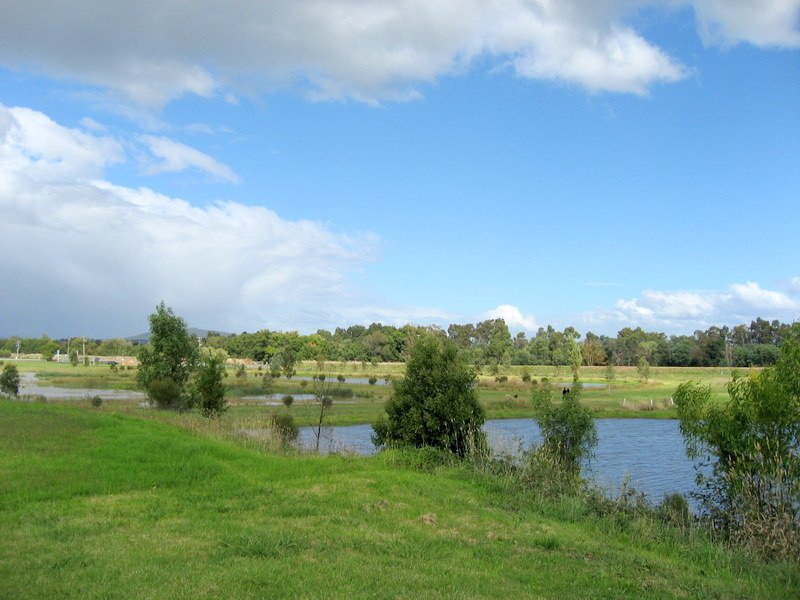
(567, 427)
(73, 358)
(592, 350)
(9, 380)
(167, 361)
(48, 350)
(208, 389)
(324, 392)
(750, 444)
(436, 403)
(575, 358)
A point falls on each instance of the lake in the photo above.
(650, 452)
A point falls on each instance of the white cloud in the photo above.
(79, 252)
(177, 157)
(794, 285)
(513, 317)
(48, 151)
(152, 51)
(92, 125)
(688, 310)
(759, 22)
(753, 295)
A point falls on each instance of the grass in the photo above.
(99, 505)
(626, 396)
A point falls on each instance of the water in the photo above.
(648, 452)
(28, 387)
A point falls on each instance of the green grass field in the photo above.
(625, 397)
(99, 505)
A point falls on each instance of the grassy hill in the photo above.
(116, 506)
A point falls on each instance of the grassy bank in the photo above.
(94, 504)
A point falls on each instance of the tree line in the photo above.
(487, 343)
(490, 344)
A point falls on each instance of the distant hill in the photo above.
(143, 338)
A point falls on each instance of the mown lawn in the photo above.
(100, 505)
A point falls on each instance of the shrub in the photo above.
(373, 380)
(750, 444)
(96, 401)
(268, 383)
(567, 427)
(9, 380)
(643, 369)
(285, 427)
(436, 403)
(674, 509)
(208, 389)
(165, 393)
(241, 371)
(526, 376)
(287, 400)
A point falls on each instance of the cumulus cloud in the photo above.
(79, 251)
(152, 51)
(175, 157)
(759, 22)
(513, 317)
(686, 310)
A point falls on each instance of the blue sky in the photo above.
(605, 164)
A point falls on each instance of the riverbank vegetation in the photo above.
(109, 505)
(751, 493)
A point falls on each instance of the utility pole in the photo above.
(84, 350)
(17, 349)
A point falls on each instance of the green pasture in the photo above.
(625, 396)
(102, 505)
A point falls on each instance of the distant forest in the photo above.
(488, 343)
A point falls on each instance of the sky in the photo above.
(305, 164)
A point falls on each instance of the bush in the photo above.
(567, 427)
(750, 444)
(165, 393)
(9, 380)
(285, 427)
(436, 403)
(373, 380)
(288, 400)
(674, 509)
(96, 401)
(208, 389)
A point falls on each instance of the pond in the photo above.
(649, 452)
(28, 387)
